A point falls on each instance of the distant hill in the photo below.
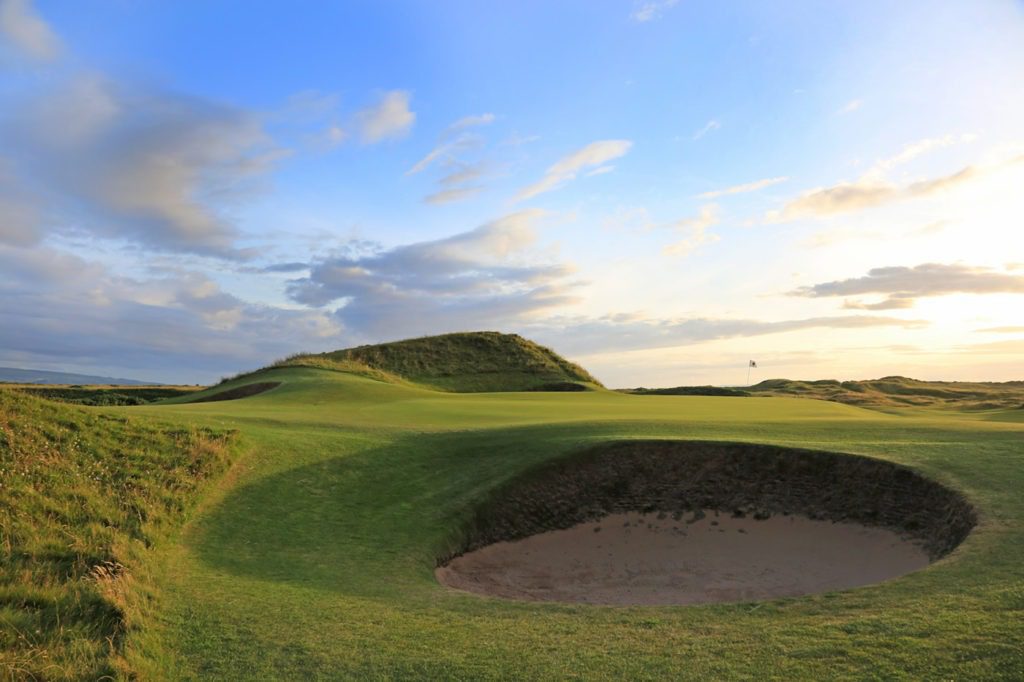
(39, 376)
(464, 362)
(896, 391)
(893, 391)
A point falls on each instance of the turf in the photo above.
(313, 557)
(315, 561)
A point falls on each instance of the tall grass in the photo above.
(85, 498)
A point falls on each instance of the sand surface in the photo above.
(638, 559)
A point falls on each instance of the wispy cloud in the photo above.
(447, 196)
(27, 32)
(903, 285)
(567, 168)
(695, 231)
(1001, 330)
(709, 127)
(872, 189)
(851, 106)
(648, 10)
(744, 188)
(628, 332)
(389, 118)
(454, 144)
(452, 139)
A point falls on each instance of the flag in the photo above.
(753, 364)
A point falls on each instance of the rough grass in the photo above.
(105, 395)
(84, 499)
(469, 362)
(894, 392)
(897, 391)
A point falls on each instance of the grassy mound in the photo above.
(897, 391)
(106, 395)
(84, 497)
(470, 362)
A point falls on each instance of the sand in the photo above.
(637, 559)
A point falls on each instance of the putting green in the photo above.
(314, 558)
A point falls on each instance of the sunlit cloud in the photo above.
(389, 118)
(695, 231)
(744, 188)
(594, 154)
(903, 285)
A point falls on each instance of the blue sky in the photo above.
(660, 190)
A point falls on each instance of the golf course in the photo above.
(294, 531)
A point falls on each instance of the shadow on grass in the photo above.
(371, 522)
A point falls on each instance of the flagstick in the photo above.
(748, 372)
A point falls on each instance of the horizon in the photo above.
(660, 191)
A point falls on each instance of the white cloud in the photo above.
(567, 168)
(601, 170)
(851, 106)
(448, 196)
(471, 122)
(27, 31)
(649, 10)
(695, 231)
(741, 189)
(709, 127)
(472, 280)
(152, 167)
(872, 189)
(389, 118)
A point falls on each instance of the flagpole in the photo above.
(748, 372)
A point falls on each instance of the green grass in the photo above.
(314, 558)
(465, 362)
(83, 499)
(104, 395)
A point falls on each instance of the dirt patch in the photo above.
(239, 392)
(904, 518)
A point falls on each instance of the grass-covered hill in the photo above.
(87, 499)
(885, 392)
(895, 391)
(467, 362)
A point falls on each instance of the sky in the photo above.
(660, 190)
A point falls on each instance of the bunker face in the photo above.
(688, 523)
(636, 558)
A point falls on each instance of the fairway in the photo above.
(314, 557)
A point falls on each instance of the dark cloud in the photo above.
(902, 285)
(155, 168)
(61, 311)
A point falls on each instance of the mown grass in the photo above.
(86, 500)
(316, 562)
